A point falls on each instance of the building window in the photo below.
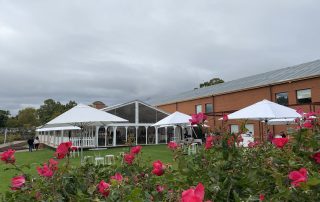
(282, 99)
(234, 129)
(304, 96)
(209, 108)
(198, 109)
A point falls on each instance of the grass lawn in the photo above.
(36, 158)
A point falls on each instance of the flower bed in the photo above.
(285, 170)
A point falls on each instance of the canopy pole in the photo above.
(260, 131)
(266, 126)
(81, 135)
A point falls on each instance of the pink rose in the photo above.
(45, 171)
(158, 168)
(198, 118)
(172, 145)
(280, 142)
(53, 165)
(136, 149)
(316, 157)
(128, 158)
(261, 197)
(298, 177)
(307, 124)
(63, 149)
(17, 182)
(209, 142)
(160, 188)
(104, 188)
(194, 195)
(118, 177)
(8, 156)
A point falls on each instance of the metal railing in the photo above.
(87, 141)
(76, 141)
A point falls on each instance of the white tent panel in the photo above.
(176, 118)
(84, 114)
(264, 110)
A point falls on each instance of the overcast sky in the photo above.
(115, 51)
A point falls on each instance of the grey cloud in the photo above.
(115, 51)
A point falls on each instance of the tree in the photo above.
(51, 109)
(69, 105)
(4, 116)
(27, 117)
(211, 82)
(13, 122)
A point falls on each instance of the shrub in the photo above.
(220, 171)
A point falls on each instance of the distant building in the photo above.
(296, 86)
(98, 105)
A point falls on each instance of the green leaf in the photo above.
(236, 196)
(313, 181)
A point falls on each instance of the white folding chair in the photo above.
(192, 149)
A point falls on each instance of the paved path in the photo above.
(11, 143)
(23, 150)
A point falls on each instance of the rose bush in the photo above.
(285, 170)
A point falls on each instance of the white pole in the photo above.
(105, 136)
(114, 136)
(126, 133)
(156, 135)
(53, 137)
(61, 137)
(136, 135)
(5, 135)
(146, 134)
(81, 135)
(166, 132)
(97, 135)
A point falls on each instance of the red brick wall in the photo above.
(168, 108)
(237, 100)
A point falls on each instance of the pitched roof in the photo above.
(301, 71)
(131, 102)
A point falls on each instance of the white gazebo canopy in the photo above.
(176, 118)
(265, 110)
(81, 115)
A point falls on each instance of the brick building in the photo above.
(296, 86)
(98, 105)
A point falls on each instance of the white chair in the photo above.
(192, 149)
(109, 159)
(99, 160)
